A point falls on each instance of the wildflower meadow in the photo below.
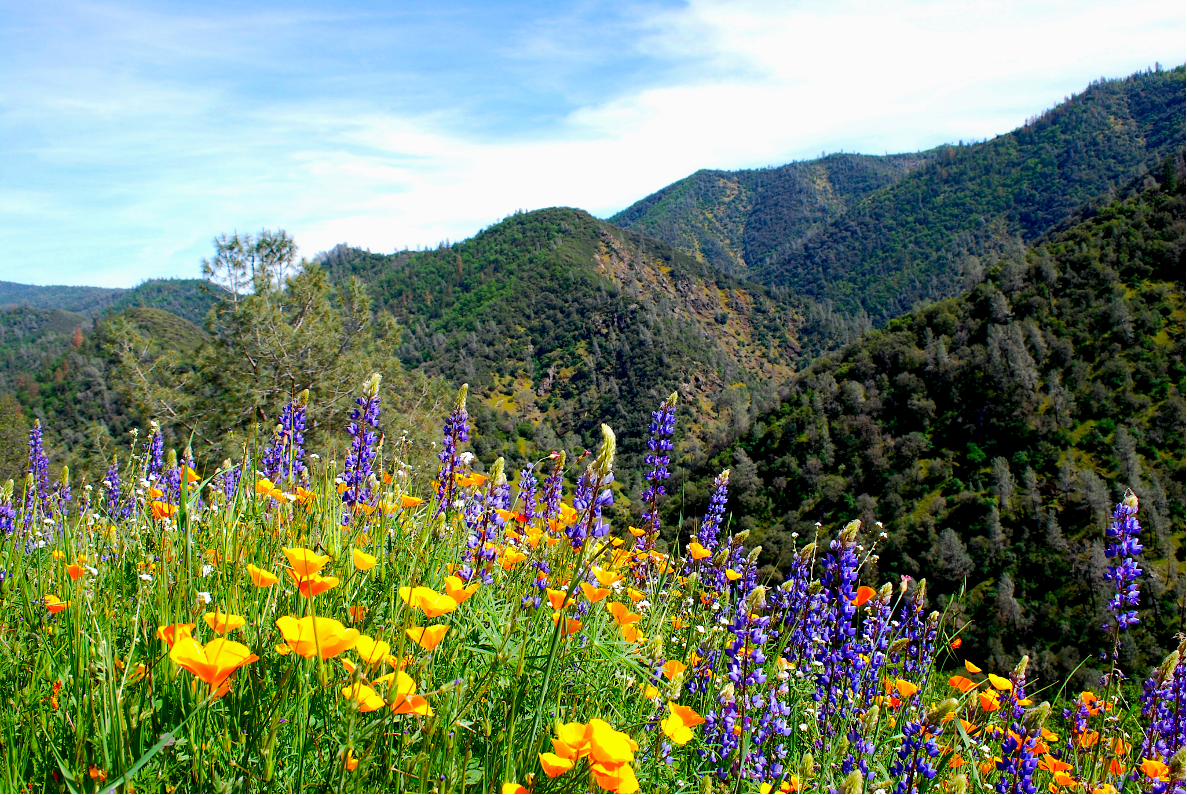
(345, 622)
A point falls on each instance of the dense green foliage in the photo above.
(187, 298)
(983, 430)
(923, 237)
(560, 321)
(733, 219)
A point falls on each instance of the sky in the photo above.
(131, 134)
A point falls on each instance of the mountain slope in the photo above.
(560, 321)
(992, 432)
(921, 229)
(187, 298)
(730, 219)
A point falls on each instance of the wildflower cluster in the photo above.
(285, 623)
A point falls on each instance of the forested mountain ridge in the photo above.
(931, 232)
(730, 219)
(559, 322)
(187, 298)
(992, 432)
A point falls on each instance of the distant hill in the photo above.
(187, 298)
(560, 322)
(992, 433)
(912, 231)
(731, 219)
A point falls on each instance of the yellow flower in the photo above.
(212, 663)
(314, 584)
(364, 697)
(428, 638)
(457, 590)
(363, 561)
(372, 651)
(315, 636)
(906, 689)
(222, 623)
(261, 578)
(304, 562)
(406, 703)
(1000, 682)
(432, 603)
(555, 765)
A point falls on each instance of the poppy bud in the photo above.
(1034, 718)
(853, 783)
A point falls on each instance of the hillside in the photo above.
(947, 217)
(187, 298)
(731, 219)
(993, 431)
(560, 321)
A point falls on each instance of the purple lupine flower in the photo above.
(1123, 543)
(111, 486)
(663, 424)
(154, 453)
(455, 432)
(554, 485)
(1164, 710)
(363, 425)
(527, 492)
(711, 524)
(592, 494)
(918, 746)
(38, 466)
(835, 650)
(284, 458)
(228, 481)
(481, 517)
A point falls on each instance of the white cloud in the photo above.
(747, 84)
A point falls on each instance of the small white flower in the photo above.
(146, 577)
(93, 571)
(819, 525)
(314, 457)
(803, 727)
(204, 597)
(700, 628)
(877, 524)
(206, 570)
(795, 535)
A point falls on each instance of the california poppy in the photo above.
(304, 562)
(364, 697)
(261, 578)
(212, 663)
(427, 638)
(864, 594)
(363, 561)
(432, 603)
(698, 552)
(594, 594)
(316, 636)
(222, 623)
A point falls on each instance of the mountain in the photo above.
(926, 228)
(992, 433)
(187, 298)
(730, 219)
(560, 322)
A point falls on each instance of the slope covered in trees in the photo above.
(992, 432)
(187, 298)
(732, 219)
(560, 322)
(933, 231)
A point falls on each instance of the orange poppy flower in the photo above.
(410, 502)
(637, 532)
(222, 623)
(357, 612)
(555, 765)
(556, 598)
(956, 644)
(511, 788)
(698, 552)
(171, 633)
(304, 562)
(864, 594)
(406, 702)
(457, 590)
(622, 614)
(1000, 682)
(962, 683)
(428, 638)
(55, 605)
(363, 561)
(972, 669)
(316, 636)
(163, 510)
(906, 689)
(606, 578)
(364, 697)
(432, 603)
(1153, 769)
(631, 634)
(261, 578)
(594, 594)
(672, 668)
(314, 584)
(213, 663)
(572, 625)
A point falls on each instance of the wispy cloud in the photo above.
(133, 134)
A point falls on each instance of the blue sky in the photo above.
(133, 133)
